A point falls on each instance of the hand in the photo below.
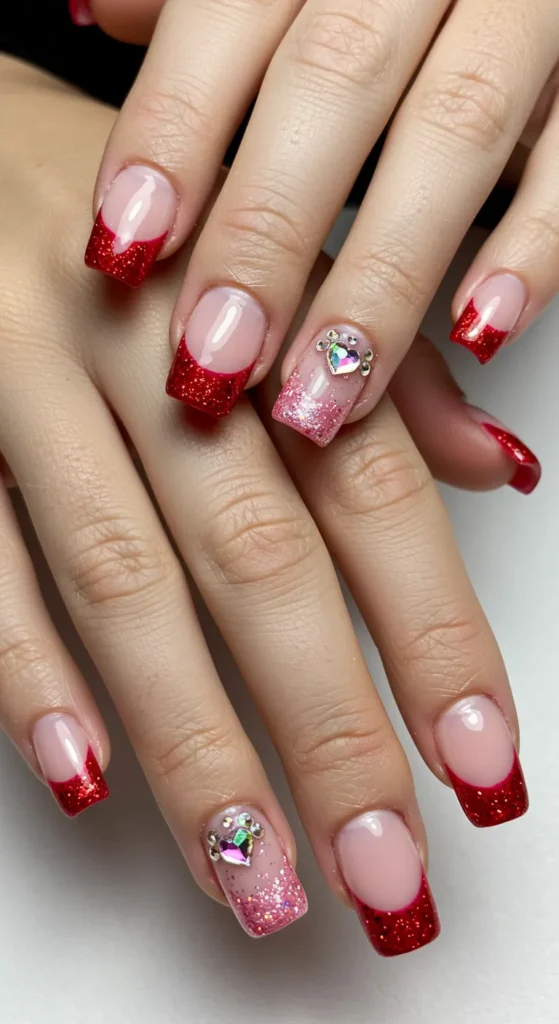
(333, 76)
(76, 363)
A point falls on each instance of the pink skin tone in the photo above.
(81, 13)
(475, 742)
(61, 747)
(379, 861)
(139, 206)
(265, 895)
(314, 401)
(226, 330)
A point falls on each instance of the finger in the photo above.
(45, 705)
(201, 72)
(462, 445)
(265, 575)
(461, 121)
(515, 275)
(127, 594)
(384, 520)
(329, 91)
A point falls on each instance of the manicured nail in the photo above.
(481, 762)
(491, 314)
(135, 218)
(81, 13)
(68, 763)
(384, 876)
(217, 351)
(261, 887)
(527, 470)
(325, 384)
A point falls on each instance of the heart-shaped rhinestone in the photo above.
(237, 849)
(342, 359)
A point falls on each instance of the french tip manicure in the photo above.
(527, 470)
(490, 316)
(68, 763)
(135, 218)
(385, 880)
(259, 882)
(481, 762)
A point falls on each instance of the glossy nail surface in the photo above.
(527, 470)
(68, 763)
(384, 876)
(217, 351)
(81, 13)
(256, 877)
(326, 383)
(481, 761)
(135, 218)
(491, 314)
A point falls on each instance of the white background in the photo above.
(100, 921)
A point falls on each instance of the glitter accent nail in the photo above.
(257, 878)
(325, 384)
(68, 763)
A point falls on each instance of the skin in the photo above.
(245, 532)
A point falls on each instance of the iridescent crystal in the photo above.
(245, 820)
(237, 849)
(342, 359)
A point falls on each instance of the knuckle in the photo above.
(343, 739)
(266, 227)
(373, 476)
(446, 648)
(471, 105)
(114, 563)
(354, 46)
(173, 116)
(202, 749)
(386, 271)
(258, 538)
(23, 658)
(540, 232)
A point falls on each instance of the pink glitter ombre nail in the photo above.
(325, 384)
(258, 880)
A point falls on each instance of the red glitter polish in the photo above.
(81, 13)
(529, 471)
(132, 266)
(483, 341)
(83, 790)
(486, 806)
(212, 393)
(393, 933)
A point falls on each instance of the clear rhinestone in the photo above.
(257, 830)
(333, 336)
(352, 341)
(365, 369)
(322, 344)
(212, 837)
(245, 820)
(227, 822)
(368, 355)
(215, 854)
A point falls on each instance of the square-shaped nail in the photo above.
(255, 874)
(481, 761)
(135, 218)
(217, 351)
(326, 383)
(384, 877)
(68, 763)
(491, 314)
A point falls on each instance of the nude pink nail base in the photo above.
(68, 763)
(481, 762)
(217, 351)
(132, 225)
(384, 877)
(255, 875)
(491, 314)
(325, 384)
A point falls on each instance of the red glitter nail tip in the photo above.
(393, 933)
(132, 266)
(212, 393)
(529, 471)
(82, 791)
(488, 806)
(484, 343)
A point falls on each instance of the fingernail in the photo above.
(217, 351)
(68, 763)
(527, 470)
(325, 384)
(384, 876)
(261, 887)
(135, 218)
(491, 314)
(81, 13)
(481, 762)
